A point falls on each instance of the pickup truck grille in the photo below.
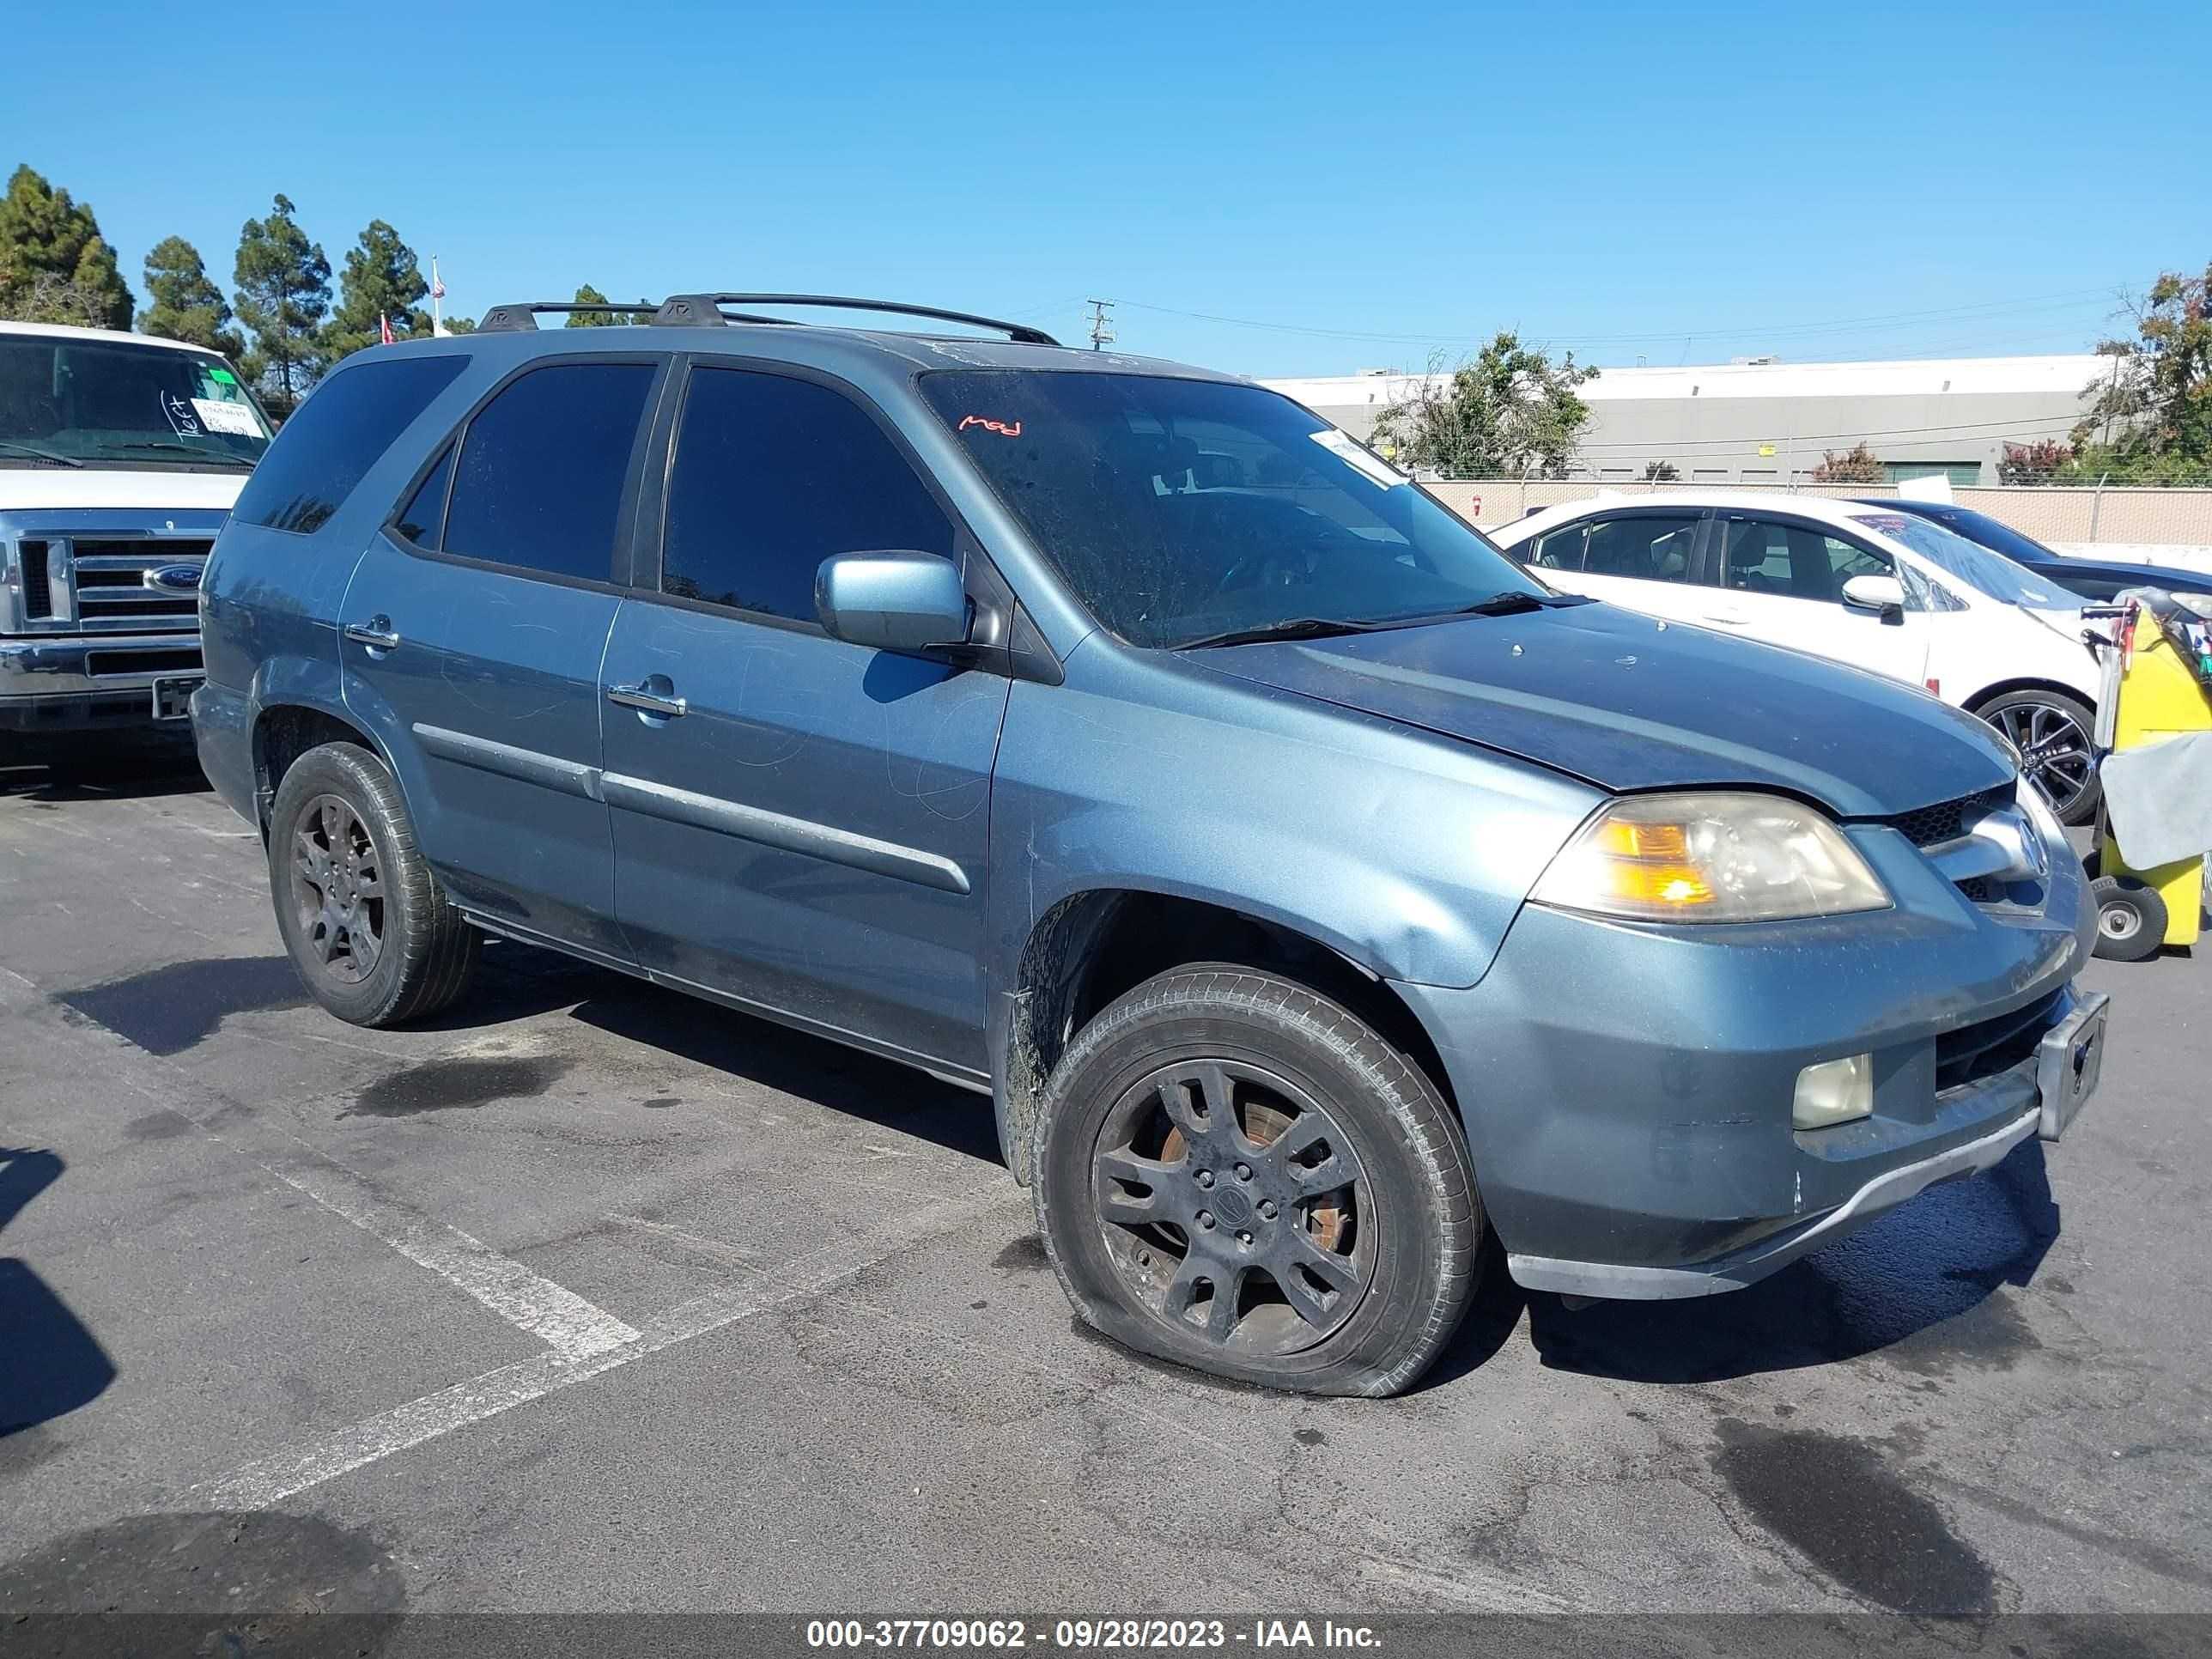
(101, 584)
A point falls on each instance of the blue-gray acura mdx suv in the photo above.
(1311, 889)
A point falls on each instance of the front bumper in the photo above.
(1626, 1089)
(99, 681)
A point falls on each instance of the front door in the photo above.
(798, 823)
(1782, 581)
(473, 631)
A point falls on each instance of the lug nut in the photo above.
(1205, 1177)
(1243, 1172)
(1244, 1238)
(1268, 1210)
(1205, 1220)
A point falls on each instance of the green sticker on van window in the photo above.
(223, 376)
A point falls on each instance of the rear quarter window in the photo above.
(334, 438)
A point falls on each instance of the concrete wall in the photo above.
(2166, 527)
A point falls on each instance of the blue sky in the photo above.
(1677, 183)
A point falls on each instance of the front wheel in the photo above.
(364, 920)
(2054, 733)
(1235, 1173)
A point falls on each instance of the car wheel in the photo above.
(367, 926)
(2054, 733)
(1238, 1174)
(2130, 919)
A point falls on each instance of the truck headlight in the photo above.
(1710, 857)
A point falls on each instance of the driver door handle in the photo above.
(377, 633)
(648, 702)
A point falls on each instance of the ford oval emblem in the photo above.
(177, 578)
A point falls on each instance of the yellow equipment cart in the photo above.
(2151, 693)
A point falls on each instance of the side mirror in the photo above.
(1885, 594)
(892, 601)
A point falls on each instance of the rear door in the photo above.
(800, 824)
(1782, 581)
(473, 632)
(1644, 558)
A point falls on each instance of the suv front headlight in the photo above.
(1710, 857)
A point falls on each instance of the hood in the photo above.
(1627, 703)
(67, 489)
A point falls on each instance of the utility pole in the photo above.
(1101, 331)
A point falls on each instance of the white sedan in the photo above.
(1881, 590)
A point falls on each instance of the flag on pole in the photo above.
(438, 329)
(384, 327)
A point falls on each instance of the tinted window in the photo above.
(1560, 549)
(772, 476)
(539, 484)
(424, 515)
(1179, 510)
(1795, 562)
(1651, 547)
(336, 436)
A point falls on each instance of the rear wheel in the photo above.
(2054, 733)
(1237, 1174)
(2131, 918)
(366, 923)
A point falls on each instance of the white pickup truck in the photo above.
(120, 455)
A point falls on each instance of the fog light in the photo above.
(1834, 1092)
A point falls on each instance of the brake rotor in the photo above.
(1262, 1124)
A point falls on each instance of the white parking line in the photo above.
(271, 1479)
(572, 1328)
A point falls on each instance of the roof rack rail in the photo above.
(705, 310)
(523, 319)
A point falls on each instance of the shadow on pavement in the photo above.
(49, 1363)
(1919, 1285)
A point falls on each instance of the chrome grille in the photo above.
(108, 581)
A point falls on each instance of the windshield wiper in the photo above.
(36, 453)
(184, 449)
(1295, 628)
(1513, 601)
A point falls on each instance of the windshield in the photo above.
(1976, 566)
(1179, 510)
(99, 402)
(2003, 538)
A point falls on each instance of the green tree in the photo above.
(381, 279)
(1512, 413)
(283, 293)
(2153, 410)
(588, 295)
(1661, 473)
(184, 304)
(53, 260)
(1856, 465)
(460, 324)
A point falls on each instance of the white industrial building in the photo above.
(1764, 422)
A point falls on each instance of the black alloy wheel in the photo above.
(337, 890)
(1234, 1207)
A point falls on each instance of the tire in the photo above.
(1332, 1287)
(400, 953)
(2130, 919)
(2056, 734)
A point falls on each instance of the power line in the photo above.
(1101, 331)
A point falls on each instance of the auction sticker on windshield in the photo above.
(1345, 446)
(218, 416)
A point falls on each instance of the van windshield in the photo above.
(98, 403)
(1179, 510)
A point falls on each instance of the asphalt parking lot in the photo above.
(589, 1296)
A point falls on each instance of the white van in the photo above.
(120, 455)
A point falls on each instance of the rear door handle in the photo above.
(647, 702)
(377, 633)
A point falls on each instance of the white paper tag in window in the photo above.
(1345, 446)
(235, 418)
